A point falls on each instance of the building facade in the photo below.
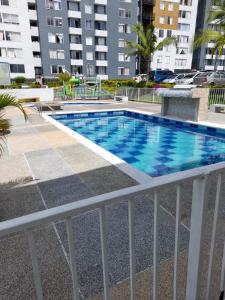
(85, 37)
(204, 59)
(16, 46)
(175, 18)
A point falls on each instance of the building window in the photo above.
(100, 25)
(89, 41)
(161, 20)
(162, 5)
(124, 28)
(180, 62)
(56, 38)
(100, 9)
(53, 4)
(183, 39)
(75, 6)
(124, 13)
(184, 27)
(10, 36)
(170, 6)
(75, 23)
(101, 41)
(56, 54)
(14, 53)
(161, 33)
(75, 39)
(75, 54)
(169, 33)
(101, 70)
(9, 18)
(57, 69)
(17, 68)
(169, 20)
(121, 43)
(88, 25)
(53, 21)
(76, 69)
(123, 71)
(184, 14)
(100, 55)
(88, 9)
(181, 50)
(123, 57)
(186, 2)
(89, 56)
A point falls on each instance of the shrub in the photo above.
(34, 85)
(20, 79)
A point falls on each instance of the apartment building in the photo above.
(204, 58)
(16, 34)
(45, 37)
(175, 18)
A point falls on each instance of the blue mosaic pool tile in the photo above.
(154, 145)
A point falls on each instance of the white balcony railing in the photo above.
(200, 179)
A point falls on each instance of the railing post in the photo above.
(153, 96)
(34, 261)
(198, 214)
(138, 94)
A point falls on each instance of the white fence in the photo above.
(149, 95)
(199, 209)
(140, 94)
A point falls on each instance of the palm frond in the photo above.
(8, 100)
(206, 36)
(167, 42)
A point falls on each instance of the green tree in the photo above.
(64, 77)
(147, 44)
(6, 101)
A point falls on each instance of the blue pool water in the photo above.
(85, 103)
(153, 145)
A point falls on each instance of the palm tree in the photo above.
(217, 16)
(5, 101)
(147, 44)
(217, 13)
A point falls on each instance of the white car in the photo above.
(173, 78)
(188, 78)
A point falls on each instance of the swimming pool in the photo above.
(86, 103)
(154, 145)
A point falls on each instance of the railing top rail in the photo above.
(78, 207)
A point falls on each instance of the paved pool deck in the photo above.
(43, 167)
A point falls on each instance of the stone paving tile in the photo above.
(144, 280)
(18, 144)
(96, 172)
(16, 278)
(88, 247)
(19, 198)
(12, 168)
(58, 138)
(55, 178)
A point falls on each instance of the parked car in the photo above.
(188, 78)
(140, 77)
(160, 75)
(173, 78)
(201, 78)
(216, 78)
